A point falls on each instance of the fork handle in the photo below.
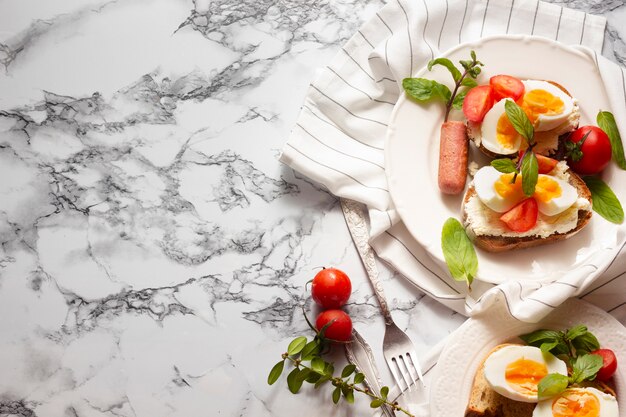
(354, 214)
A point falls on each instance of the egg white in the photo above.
(484, 181)
(557, 205)
(608, 404)
(489, 131)
(548, 122)
(497, 362)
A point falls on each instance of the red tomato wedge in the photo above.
(477, 103)
(609, 364)
(545, 164)
(522, 217)
(506, 86)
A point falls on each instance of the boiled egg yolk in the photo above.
(537, 102)
(576, 403)
(546, 189)
(507, 189)
(523, 375)
(506, 134)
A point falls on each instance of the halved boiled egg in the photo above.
(498, 191)
(514, 371)
(546, 105)
(579, 402)
(498, 134)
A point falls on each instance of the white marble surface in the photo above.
(153, 251)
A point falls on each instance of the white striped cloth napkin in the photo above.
(339, 136)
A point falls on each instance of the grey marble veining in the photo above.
(153, 253)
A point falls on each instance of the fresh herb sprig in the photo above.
(310, 367)
(458, 251)
(422, 89)
(572, 346)
(606, 122)
(604, 201)
(527, 164)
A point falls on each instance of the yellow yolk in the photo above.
(523, 375)
(506, 133)
(578, 404)
(546, 189)
(506, 189)
(536, 102)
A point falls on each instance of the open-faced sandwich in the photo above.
(525, 381)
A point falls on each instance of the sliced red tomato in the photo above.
(545, 164)
(477, 103)
(609, 364)
(506, 86)
(522, 217)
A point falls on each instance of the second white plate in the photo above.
(412, 154)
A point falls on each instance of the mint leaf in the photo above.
(604, 200)
(457, 103)
(586, 367)
(538, 337)
(551, 385)
(519, 120)
(456, 74)
(504, 165)
(585, 343)
(546, 347)
(458, 251)
(576, 331)
(469, 82)
(530, 173)
(606, 122)
(422, 89)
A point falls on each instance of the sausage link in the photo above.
(453, 149)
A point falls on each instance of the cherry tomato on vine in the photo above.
(609, 364)
(593, 155)
(331, 288)
(340, 327)
(506, 86)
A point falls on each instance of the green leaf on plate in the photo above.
(421, 89)
(606, 122)
(604, 200)
(458, 251)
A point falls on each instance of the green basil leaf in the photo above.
(546, 347)
(336, 394)
(606, 122)
(457, 103)
(275, 373)
(469, 82)
(519, 120)
(458, 251)
(585, 343)
(604, 200)
(348, 370)
(551, 385)
(538, 337)
(421, 89)
(576, 331)
(456, 74)
(586, 367)
(504, 165)
(296, 345)
(530, 173)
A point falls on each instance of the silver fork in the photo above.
(398, 349)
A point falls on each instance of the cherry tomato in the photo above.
(477, 103)
(506, 86)
(331, 288)
(340, 328)
(596, 150)
(609, 364)
(522, 217)
(545, 164)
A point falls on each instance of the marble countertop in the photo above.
(154, 252)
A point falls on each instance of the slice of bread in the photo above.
(485, 402)
(496, 243)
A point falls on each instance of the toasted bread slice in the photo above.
(499, 243)
(485, 402)
(547, 141)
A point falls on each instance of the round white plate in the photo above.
(469, 344)
(412, 154)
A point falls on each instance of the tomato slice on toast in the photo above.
(522, 217)
(506, 86)
(477, 103)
